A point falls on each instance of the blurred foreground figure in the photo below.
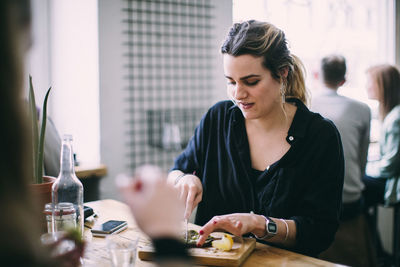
(158, 213)
(20, 242)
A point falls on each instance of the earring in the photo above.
(283, 93)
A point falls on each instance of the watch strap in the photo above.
(268, 234)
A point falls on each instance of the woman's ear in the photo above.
(284, 72)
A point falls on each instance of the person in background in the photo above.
(352, 118)
(382, 179)
(382, 184)
(262, 163)
(353, 243)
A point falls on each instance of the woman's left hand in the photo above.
(236, 223)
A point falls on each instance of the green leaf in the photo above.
(38, 139)
(42, 136)
(34, 125)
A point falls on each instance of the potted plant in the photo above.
(41, 185)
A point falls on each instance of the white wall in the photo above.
(75, 76)
(38, 59)
(222, 25)
(64, 55)
(113, 150)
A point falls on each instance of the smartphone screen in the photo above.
(109, 227)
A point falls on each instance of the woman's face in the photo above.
(251, 86)
(372, 87)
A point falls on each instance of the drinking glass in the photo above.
(122, 250)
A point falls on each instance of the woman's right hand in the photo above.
(190, 190)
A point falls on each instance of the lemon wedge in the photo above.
(224, 244)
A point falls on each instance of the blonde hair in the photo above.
(262, 39)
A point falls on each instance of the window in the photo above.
(362, 31)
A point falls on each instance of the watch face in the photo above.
(272, 228)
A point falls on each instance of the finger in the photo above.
(123, 181)
(129, 192)
(197, 200)
(207, 229)
(137, 185)
(184, 192)
(189, 203)
(225, 223)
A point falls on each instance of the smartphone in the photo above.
(109, 227)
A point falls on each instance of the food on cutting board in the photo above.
(224, 244)
(193, 236)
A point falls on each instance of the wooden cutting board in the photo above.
(242, 248)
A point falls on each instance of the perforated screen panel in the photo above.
(169, 76)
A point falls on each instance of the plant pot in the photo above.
(42, 194)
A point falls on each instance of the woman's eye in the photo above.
(251, 83)
(231, 83)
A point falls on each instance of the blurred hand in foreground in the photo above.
(155, 205)
(65, 248)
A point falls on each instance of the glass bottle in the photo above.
(67, 188)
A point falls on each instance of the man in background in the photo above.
(352, 119)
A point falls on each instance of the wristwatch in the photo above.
(270, 228)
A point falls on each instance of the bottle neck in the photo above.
(67, 158)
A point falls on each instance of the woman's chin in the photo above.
(248, 115)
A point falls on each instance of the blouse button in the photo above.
(291, 138)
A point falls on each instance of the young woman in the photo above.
(383, 175)
(262, 163)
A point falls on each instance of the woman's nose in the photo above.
(239, 92)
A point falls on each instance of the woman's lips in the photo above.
(246, 105)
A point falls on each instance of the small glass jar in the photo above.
(64, 216)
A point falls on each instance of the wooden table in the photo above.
(263, 255)
(83, 172)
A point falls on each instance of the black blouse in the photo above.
(305, 185)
